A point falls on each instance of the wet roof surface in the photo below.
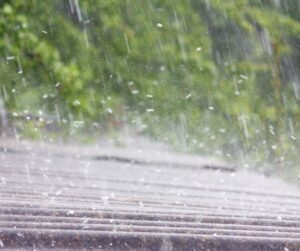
(56, 196)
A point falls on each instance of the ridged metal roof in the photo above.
(58, 197)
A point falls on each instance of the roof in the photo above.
(76, 197)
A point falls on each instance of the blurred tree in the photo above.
(210, 76)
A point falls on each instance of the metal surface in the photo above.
(58, 197)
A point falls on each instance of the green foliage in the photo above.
(212, 76)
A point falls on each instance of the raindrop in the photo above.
(134, 92)
(86, 38)
(296, 87)
(127, 42)
(58, 192)
(70, 212)
(53, 243)
(245, 126)
(279, 217)
(222, 130)
(244, 77)
(188, 96)
(109, 110)
(75, 9)
(271, 130)
(76, 103)
(9, 58)
(105, 199)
